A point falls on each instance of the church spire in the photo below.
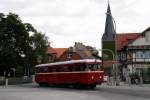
(108, 8)
(109, 26)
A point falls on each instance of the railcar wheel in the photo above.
(92, 86)
(43, 84)
(79, 86)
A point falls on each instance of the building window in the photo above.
(139, 54)
(148, 54)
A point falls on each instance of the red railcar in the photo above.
(77, 73)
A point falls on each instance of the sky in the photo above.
(68, 21)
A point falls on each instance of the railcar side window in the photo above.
(70, 68)
(37, 70)
(54, 69)
(40, 70)
(66, 69)
(79, 67)
(58, 69)
(91, 66)
(61, 69)
(49, 69)
(73, 68)
(45, 69)
(82, 67)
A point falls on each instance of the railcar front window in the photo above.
(93, 67)
(99, 67)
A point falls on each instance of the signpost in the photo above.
(114, 61)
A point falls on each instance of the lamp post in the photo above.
(14, 71)
(116, 64)
(25, 71)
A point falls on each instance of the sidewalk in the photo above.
(123, 85)
(125, 89)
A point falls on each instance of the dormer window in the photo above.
(69, 56)
(69, 53)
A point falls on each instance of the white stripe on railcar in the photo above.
(70, 72)
(69, 62)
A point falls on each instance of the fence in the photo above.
(18, 80)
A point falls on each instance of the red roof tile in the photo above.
(57, 51)
(60, 51)
(51, 50)
(124, 38)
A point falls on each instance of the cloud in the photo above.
(79, 20)
(67, 41)
(68, 17)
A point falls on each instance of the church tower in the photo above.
(109, 26)
(108, 41)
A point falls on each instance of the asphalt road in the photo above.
(34, 92)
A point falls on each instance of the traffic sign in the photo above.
(114, 61)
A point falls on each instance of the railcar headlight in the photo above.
(100, 77)
(92, 77)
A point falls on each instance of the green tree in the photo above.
(16, 45)
(14, 39)
(39, 43)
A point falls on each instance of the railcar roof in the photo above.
(70, 62)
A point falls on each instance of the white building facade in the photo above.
(138, 55)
